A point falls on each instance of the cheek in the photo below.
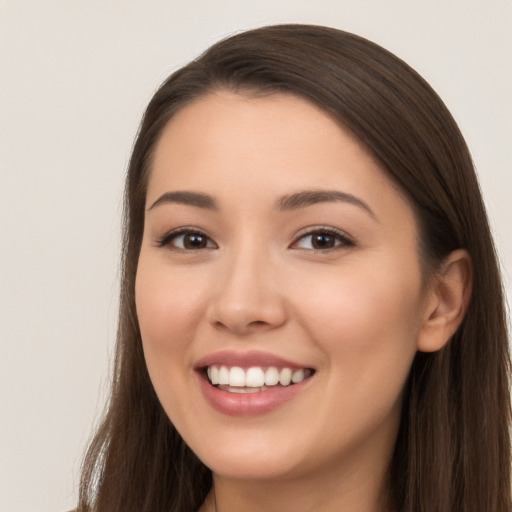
(362, 298)
(166, 300)
(168, 309)
(366, 319)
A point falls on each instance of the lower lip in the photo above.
(249, 404)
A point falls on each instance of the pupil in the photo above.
(194, 241)
(322, 241)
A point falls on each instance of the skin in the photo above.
(356, 313)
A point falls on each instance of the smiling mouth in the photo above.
(254, 379)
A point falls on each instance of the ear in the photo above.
(447, 303)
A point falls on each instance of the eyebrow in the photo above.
(285, 203)
(189, 198)
(311, 197)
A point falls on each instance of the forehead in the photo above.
(244, 145)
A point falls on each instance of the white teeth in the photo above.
(237, 377)
(223, 376)
(297, 376)
(271, 376)
(213, 375)
(243, 390)
(255, 377)
(285, 377)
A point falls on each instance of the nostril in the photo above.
(257, 323)
(244, 317)
(219, 325)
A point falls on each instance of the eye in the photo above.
(322, 240)
(187, 240)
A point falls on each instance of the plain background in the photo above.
(74, 79)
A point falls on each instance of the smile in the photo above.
(254, 379)
(251, 383)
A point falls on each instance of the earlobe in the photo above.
(450, 293)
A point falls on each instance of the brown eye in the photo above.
(187, 240)
(194, 241)
(322, 240)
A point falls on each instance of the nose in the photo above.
(247, 298)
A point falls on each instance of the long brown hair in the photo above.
(453, 448)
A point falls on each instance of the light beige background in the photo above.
(74, 79)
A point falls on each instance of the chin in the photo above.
(249, 455)
(252, 468)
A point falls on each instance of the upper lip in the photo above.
(246, 360)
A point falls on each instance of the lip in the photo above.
(246, 360)
(248, 404)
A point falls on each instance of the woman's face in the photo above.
(275, 248)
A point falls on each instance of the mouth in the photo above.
(254, 379)
(251, 383)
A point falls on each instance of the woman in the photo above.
(311, 311)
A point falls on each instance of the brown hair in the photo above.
(453, 447)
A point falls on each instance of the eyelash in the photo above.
(341, 239)
(168, 238)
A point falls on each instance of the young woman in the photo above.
(311, 310)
